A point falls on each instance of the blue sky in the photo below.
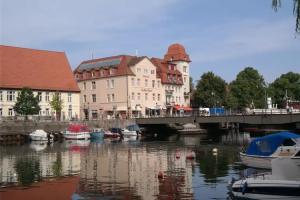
(220, 36)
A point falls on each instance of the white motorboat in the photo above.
(191, 129)
(40, 135)
(128, 133)
(262, 150)
(77, 132)
(282, 183)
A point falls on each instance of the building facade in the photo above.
(45, 72)
(130, 86)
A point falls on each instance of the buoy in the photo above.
(177, 155)
(191, 155)
(160, 175)
(215, 150)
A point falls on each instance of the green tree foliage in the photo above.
(210, 91)
(27, 103)
(57, 104)
(287, 83)
(296, 11)
(247, 90)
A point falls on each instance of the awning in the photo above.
(121, 108)
(185, 108)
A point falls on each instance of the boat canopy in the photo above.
(78, 128)
(267, 145)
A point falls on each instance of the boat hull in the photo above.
(77, 136)
(39, 138)
(263, 162)
(260, 188)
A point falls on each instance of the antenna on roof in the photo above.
(136, 52)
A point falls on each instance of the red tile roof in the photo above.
(37, 69)
(163, 71)
(120, 64)
(176, 52)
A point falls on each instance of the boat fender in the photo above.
(244, 188)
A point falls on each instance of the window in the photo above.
(94, 97)
(153, 96)
(40, 96)
(153, 83)
(69, 97)
(10, 95)
(47, 97)
(93, 85)
(1, 97)
(112, 83)
(139, 96)
(112, 97)
(158, 97)
(84, 85)
(158, 84)
(84, 98)
(145, 71)
(107, 83)
(132, 81)
(101, 73)
(70, 112)
(184, 79)
(146, 82)
(108, 98)
(132, 96)
(138, 70)
(146, 96)
(184, 68)
(152, 71)
(93, 74)
(47, 112)
(94, 114)
(138, 82)
(10, 112)
(0, 112)
(111, 71)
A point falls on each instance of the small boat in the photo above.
(40, 135)
(97, 134)
(191, 129)
(128, 133)
(113, 133)
(282, 183)
(77, 132)
(263, 149)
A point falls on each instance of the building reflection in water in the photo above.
(131, 172)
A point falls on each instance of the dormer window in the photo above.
(93, 74)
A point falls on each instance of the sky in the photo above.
(220, 36)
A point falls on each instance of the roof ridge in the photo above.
(17, 47)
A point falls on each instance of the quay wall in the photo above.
(20, 127)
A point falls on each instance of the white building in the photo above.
(45, 72)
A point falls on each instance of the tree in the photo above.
(27, 103)
(289, 84)
(57, 105)
(210, 91)
(248, 90)
(296, 11)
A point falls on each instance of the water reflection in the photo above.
(126, 169)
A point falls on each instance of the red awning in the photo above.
(186, 108)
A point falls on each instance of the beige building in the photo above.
(45, 72)
(130, 86)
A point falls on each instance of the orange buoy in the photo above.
(177, 155)
(160, 175)
(191, 155)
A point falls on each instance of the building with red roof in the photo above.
(45, 72)
(131, 86)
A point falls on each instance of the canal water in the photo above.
(132, 169)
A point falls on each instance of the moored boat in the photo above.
(282, 183)
(128, 133)
(77, 132)
(40, 135)
(191, 129)
(262, 150)
(97, 134)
